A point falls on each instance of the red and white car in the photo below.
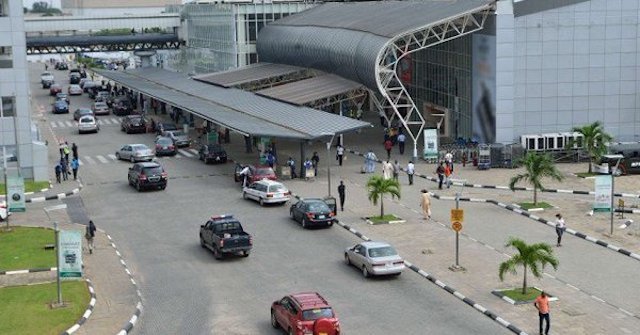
(3, 211)
(306, 313)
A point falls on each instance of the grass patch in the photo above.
(586, 174)
(25, 309)
(383, 219)
(516, 294)
(29, 186)
(529, 205)
(23, 248)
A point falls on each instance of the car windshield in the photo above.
(139, 147)
(164, 141)
(382, 252)
(264, 171)
(317, 313)
(86, 120)
(152, 170)
(61, 103)
(100, 105)
(277, 188)
(84, 111)
(178, 133)
(318, 206)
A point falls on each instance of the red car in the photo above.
(256, 173)
(55, 89)
(305, 313)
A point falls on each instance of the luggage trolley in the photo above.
(484, 157)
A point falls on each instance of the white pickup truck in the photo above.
(46, 79)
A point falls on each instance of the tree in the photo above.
(537, 166)
(530, 256)
(377, 187)
(594, 140)
(39, 7)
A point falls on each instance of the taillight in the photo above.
(164, 175)
(269, 195)
(251, 240)
(377, 264)
(171, 147)
(142, 177)
(310, 215)
(158, 146)
(332, 213)
(221, 243)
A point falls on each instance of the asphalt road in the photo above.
(185, 290)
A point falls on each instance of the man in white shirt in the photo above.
(244, 174)
(339, 154)
(401, 139)
(410, 171)
(560, 227)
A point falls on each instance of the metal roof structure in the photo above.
(248, 74)
(310, 90)
(86, 43)
(241, 111)
(366, 41)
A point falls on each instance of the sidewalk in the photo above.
(116, 297)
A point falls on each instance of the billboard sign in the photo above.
(15, 194)
(602, 201)
(483, 94)
(430, 144)
(70, 254)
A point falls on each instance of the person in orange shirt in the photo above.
(447, 175)
(542, 304)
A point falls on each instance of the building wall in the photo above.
(569, 66)
(14, 86)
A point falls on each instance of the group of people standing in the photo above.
(64, 166)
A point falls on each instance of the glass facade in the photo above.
(441, 76)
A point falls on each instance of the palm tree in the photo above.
(530, 256)
(537, 166)
(377, 187)
(594, 140)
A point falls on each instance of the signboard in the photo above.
(70, 254)
(602, 201)
(457, 226)
(212, 137)
(457, 215)
(483, 91)
(430, 144)
(15, 194)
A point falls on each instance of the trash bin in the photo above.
(331, 202)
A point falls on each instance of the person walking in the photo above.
(74, 167)
(89, 234)
(401, 139)
(61, 148)
(440, 173)
(308, 165)
(271, 159)
(542, 304)
(292, 165)
(244, 174)
(58, 170)
(74, 150)
(396, 170)
(411, 169)
(66, 151)
(388, 145)
(65, 169)
(369, 162)
(315, 159)
(387, 170)
(448, 160)
(447, 175)
(560, 228)
(382, 117)
(341, 194)
(425, 203)
(339, 154)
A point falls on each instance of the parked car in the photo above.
(180, 138)
(100, 108)
(135, 153)
(61, 66)
(304, 313)
(255, 173)
(63, 96)
(165, 146)
(74, 78)
(102, 96)
(223, 234)
(374, 258)
(3, 211)
(88, 124)
(93, 92)
(60, 107)
(87, 85)
(80, 112)
(55, 89)
(161, 127)
(212, 153)
(147, 175)
(267, 192)
(74, 90)
(122, 106)
(46, 79)
(312, 212)
(133, 124)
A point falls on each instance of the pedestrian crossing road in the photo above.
(111, 158)
(104, 121)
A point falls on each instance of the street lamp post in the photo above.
(57, 248)
(613, 178)
(328, 161)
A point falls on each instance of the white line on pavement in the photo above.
(69, 124)
(89, 160)
(102, 159)
(112, 156)
(184, 152)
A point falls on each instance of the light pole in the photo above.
(57, 247)
(328, 161)
(613, 171)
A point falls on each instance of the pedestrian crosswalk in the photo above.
(111, 158)
(104, 121)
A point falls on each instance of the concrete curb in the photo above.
(134, 318)
(87, 312)
(19, 272)
(58, 196)
(447, 288)
(2, 196)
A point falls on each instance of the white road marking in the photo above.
(69, 124)
(89, 160)
(112, 156)
(53, 124)
(102, 159)
(185, 153)
(194, 151)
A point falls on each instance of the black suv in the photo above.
(134, 124)
(61, 66)
(209, 153)
(147, 175)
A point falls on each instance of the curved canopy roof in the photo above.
(346, 38)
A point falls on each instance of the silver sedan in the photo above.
(180, 138)
(374, 258)
(135, 153)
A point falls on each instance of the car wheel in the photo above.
(291, 214)
(346, 259)
(216, 253)
(117, 156)
(244, 195)
(274, 321)
(245, 254)
(304, 223)
(163, 187)
(132, 159)
(261, 202)
(138, 188)
(365, 272)
(202, 242)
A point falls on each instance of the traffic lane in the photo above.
(178, 278)
(591, 267)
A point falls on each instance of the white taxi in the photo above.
(266, 191)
